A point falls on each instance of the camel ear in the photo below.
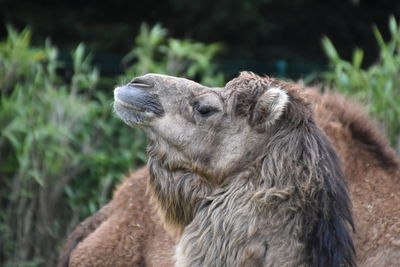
(270, 106)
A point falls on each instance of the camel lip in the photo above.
(127, 105)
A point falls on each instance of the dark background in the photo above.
(258, 35)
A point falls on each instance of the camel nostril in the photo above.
(142, 83)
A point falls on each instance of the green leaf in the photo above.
(329, 49)
(379, 38)
(35, 174)
(358, 55)
(393, 27)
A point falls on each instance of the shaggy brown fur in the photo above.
(373, 173)
(372, 187)
(126, 232)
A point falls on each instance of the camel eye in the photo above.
(205, 110)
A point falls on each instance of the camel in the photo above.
(119, 234)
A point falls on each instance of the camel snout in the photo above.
(133, 96)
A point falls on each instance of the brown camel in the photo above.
(126, 232)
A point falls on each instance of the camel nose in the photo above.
(134, 96)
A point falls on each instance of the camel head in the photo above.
(211, 131)
(243, 166)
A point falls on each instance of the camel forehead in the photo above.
(171, 79)
(161, 81)
(245, 82)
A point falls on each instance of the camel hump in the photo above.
(334, 108)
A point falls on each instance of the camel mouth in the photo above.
(135, 106)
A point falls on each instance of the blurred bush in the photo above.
(378, 86)
(156, 53)
(62, 149)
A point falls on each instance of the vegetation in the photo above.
(58, 141)
(378, 86)
(156, 53)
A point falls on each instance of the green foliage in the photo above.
(156, 53)
(17, 59)
(57, 143)
(378, 85)
(62, 149)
